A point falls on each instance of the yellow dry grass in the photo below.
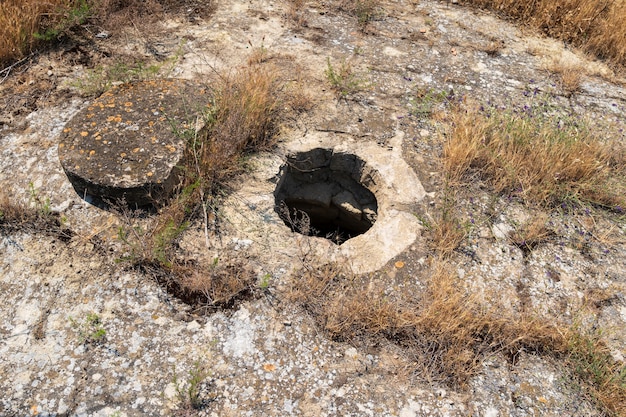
(444, 327)
(543, 159)
(595, 25)
(20, 19)
(532, 233)
(449, 331)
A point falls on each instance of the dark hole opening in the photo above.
(320, 193)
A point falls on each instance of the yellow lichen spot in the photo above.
(111, 105)
(98, 137)
(67, 129)
(93, 124)
(150, 123)
(149, 174)
(170, 148)
(135, 150)
(153, 139)
(77, 167)
(92, 152)
(128, 104)
(83, 133)
(89, 108)
(82, 151)
(269, 367)
(123, 154)
(61, 145)
(89, 116)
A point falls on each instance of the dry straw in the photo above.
(595, 25)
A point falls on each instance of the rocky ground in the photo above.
(82, 335)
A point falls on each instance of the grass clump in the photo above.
(90, 330)
(243, 118)
(542, 158)
(343, 80)
(188, 392)
(36, 216)
(448, 332)
(427, 101)
(595, 25)
(365, 11)
(591, 361)
(444, 328)
(446, 230)
(24, 23)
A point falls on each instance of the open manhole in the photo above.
(327, 194)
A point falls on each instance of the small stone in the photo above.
(193, 325)
(347, 204)
(351, 353)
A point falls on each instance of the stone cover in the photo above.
(128, 143)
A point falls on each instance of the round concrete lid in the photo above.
(128, 143)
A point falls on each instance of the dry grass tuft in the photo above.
(446, 235)
(591, 362)
(295, 13)
(445, 329)
(244, 118)
(35, 217)
(570, 79)
(208, 287)
(151, 246)
(533, 233)
(446, 232)
(20, 20)
(449, 332)
(365, 11)
(595, 25)
(542, 159)
(570, 75)
(24, 24)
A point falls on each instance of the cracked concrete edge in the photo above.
(397, 191)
